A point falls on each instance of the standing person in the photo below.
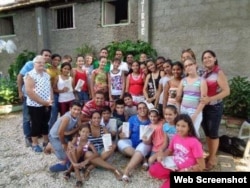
(66, 125)
(133, 146)
(167, 67)
(46, 53)
(116, 81)
(96, 63)
(218, 89)
(185, 151)
(189, 53)
(53, 70)
(129, 60)
(88, 67)
(159, 62)
(190, 91)
(152, 82)
(79, 73)
(99, 79)
(171, 87)
(123, 65)
(135, 82)
(143, 57)
(39, 101)
(63, 85)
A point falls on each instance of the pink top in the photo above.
(185, 150)
(157, 136)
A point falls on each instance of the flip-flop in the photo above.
(126, 179)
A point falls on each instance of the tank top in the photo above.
(97, 141)
(212, 84)
(153, 84)
(82, 76)
(85, 147)
(136, 84)
(71, 125)
(191, 93)
(116, 83)
(65, 96)
(101, 80)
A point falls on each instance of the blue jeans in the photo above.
(26, 120)
(54, 111)
(83, 96)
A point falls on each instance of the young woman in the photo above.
(218, 89)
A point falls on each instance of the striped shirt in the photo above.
(97, 141)
(191, 93)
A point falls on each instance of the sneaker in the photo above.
(28, 142)
(58, 167)
(37, 149)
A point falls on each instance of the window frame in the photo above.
(115, 24)
(54, 16)
(12, 34)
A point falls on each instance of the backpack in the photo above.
(232, 145)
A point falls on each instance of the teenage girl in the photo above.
(167, 68)
(152, 82)
(190, 91)
(169, 130)
(135, 82)
(80, 74)
(99, 79)
(171, 87)
(77, 148)
(185, 151)
(64, 85)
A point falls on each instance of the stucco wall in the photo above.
(89, 30)
(25, 38)
(219, 25)
(222, 26)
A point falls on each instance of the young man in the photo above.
(93, 105)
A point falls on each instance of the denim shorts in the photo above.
(212, 115)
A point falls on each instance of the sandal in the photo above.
(117, 174)
(79, 184)
(126, 179)
(145, 166)
(66, 175)
(86, 175)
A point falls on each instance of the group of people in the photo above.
(72, 107)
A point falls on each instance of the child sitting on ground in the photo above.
(80, 148)
(130, 105)
(105, 121)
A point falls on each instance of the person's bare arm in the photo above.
(19, 86)
(145, 88)
(165, 95)
(123, 84)
(127, 83)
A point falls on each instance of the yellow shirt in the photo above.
(53, 74)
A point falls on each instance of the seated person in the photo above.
(119, 111)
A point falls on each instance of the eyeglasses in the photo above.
(188, 65)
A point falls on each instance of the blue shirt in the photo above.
(170, 130)
(134, 127)
(25, 69)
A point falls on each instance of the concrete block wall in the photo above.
(222, 26)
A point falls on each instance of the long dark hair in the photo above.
(212, 53)
(186, 118)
